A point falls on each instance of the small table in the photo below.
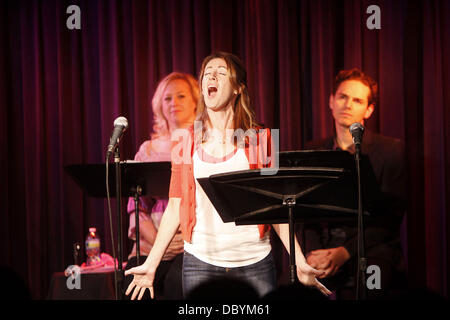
(96, 284)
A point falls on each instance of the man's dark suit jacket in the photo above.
(382, 236)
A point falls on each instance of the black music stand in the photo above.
(320, 185)
(137, 179)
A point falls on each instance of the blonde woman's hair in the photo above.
(160, 123)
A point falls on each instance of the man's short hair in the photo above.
(356, 74)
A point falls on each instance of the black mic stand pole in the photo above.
(290, 202)
(137, 194)
(120, 274)
(362, 260)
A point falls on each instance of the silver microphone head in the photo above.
(357, 130)
(120, 125)
(121, 121)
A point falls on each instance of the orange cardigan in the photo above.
(182, 181)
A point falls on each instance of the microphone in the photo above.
(120, 125)
(357, 130)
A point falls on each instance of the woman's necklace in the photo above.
(218, 137)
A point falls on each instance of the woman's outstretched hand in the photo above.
(307, 275)
(143, 278)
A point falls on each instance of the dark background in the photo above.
(61, 89)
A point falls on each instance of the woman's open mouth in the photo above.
(212, 91)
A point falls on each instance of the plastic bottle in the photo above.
(92, 246)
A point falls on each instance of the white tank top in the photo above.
(213, 241)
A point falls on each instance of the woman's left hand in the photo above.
(308, 276)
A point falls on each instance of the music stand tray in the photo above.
(314, 186)
(138, 179)
(153, 177)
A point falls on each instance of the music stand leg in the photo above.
(292, 266)
(137, 232)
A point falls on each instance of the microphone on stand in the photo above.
(357, 131)
(120, 125)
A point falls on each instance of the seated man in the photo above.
(332, 247)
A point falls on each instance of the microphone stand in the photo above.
(361, 291)
(120, 274)
(137, 194)
(290, 202)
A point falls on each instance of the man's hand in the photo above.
(308, 276)
(328, 260)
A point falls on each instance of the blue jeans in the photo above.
(261, 276)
